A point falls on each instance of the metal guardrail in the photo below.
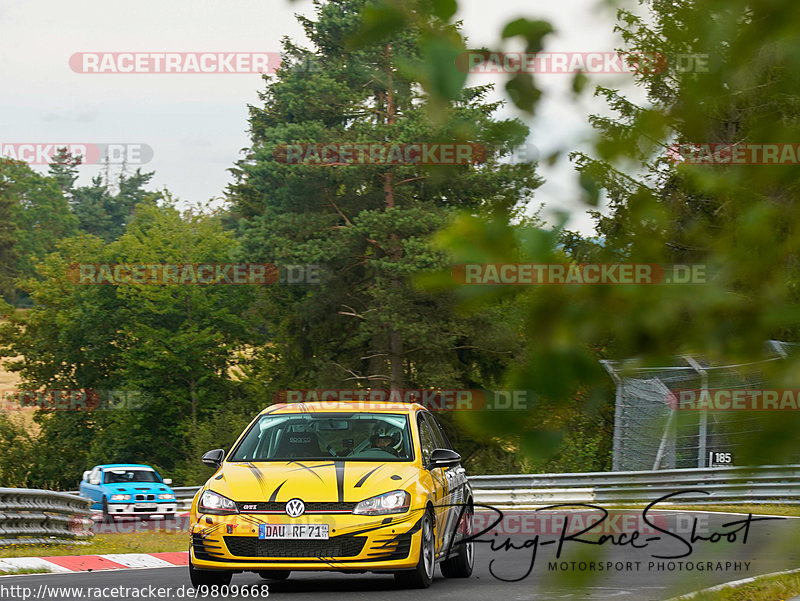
(32, 516)
(769, 484)
(184, 495)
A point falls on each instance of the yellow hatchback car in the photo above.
(335, 486)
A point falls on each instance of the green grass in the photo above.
(136, 542)
(25, 571)
(772, 588)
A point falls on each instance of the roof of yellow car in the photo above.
(353, 406)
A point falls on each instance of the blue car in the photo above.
(128, 490)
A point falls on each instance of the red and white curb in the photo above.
(90, 563)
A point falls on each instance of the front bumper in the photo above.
(139, 508)
(356, 543)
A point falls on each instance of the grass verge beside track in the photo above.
(24, 571)
(136, 542)
(767, 588)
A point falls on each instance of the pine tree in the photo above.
(369, 225)
(103, 211)
(64, 170)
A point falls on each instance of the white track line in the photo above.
(731, 584)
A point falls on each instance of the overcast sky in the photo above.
(196, 123)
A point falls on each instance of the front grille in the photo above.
(145, 497)
(311, 506)
(339, 546)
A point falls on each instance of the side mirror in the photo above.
(167, 481)
(86, 475)
(214, 458)
(94, 480)
(444, 458)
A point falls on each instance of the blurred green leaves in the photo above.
(444, 9)
(533, 32)
(380, 21)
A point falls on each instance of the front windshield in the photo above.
(123, 476)
(342, 436)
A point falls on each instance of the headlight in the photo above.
(166, 497)
(120, 497)
(213, 503)
(396, 501)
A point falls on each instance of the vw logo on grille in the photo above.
(295, 508)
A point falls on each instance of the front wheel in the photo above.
(208, 577)
(422, 575)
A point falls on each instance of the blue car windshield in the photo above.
(123, 476)
(325, 436)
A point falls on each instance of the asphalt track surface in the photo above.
(771, 546)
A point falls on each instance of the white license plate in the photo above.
(145, 506)
(293, 531)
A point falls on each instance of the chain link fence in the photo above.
(650, 433)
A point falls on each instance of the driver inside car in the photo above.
(385, 438)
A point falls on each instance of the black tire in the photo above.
(460, 566)
(274, 574)
(106, 515)
(209, 577)
(422, 575)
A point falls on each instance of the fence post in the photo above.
(616, 456)
(702, 432)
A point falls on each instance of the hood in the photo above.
(132, 488)
(342, 481)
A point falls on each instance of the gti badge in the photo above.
(295, 508)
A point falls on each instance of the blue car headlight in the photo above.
(120, 497)
(166, 497)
